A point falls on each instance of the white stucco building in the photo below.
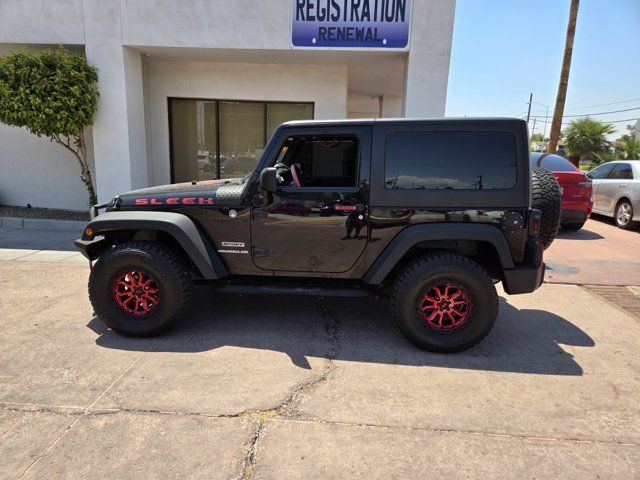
(193, 88)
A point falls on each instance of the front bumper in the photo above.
(523, 279)
(90, 248)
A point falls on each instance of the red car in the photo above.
(576, 189)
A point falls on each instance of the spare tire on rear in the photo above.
(546, 196)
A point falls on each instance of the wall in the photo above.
(325, 86)
(34, 170)
(363, 106)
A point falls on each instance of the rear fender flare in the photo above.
(413, 235)
(179, 226)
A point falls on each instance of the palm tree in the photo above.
(556, 124)
(629, 147)
(587, 137)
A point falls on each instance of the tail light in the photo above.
(535, 218)
(585, 183)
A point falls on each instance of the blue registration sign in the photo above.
(350, 23)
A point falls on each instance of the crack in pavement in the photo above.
(284, 408)
(66, 430)
(265, 414)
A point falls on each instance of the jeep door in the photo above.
(316, 221)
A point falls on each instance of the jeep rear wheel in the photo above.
(546, 196)
(444, 303)
(140, 288)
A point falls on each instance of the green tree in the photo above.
(587, 137)
(52, 94)
(628, 147)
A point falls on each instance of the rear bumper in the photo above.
(574, 216)
(523, 279)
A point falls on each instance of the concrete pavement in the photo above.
(40, 240)
(278, 387)
(598, 254)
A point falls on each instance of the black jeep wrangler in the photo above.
(431, 213)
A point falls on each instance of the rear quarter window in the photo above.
(437, 160)
(555, 163)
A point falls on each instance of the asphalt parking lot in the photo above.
(280, 387)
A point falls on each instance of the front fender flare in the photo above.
(179, 226)
(413, 235)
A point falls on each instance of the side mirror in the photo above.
(589, 175)
(268, 181)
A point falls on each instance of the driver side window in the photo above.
(318, 161)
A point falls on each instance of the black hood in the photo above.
(209, 192)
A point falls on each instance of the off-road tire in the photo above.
(619, 224)
(574, 227)
(546, 197)
(418, 277)
(163, 265)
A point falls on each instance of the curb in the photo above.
(42, 224)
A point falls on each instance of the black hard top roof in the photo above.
(401, 121)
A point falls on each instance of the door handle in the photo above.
(623, 185)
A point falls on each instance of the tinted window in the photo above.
(622, 171)
(450, 161)
(601, 172)
(555, 163)
(318, 161)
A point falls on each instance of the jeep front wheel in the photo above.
(444, 303)
(140, 288)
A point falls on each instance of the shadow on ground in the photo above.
(582, 234)
(522, 341)
(611, 221)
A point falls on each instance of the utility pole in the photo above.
(533, 130)
(558, 112)
(529, 109)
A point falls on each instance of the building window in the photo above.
(223, 138)
(450, 161)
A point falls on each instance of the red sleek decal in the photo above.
(175, 201)
(346, 208)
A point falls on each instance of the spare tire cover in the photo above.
(546, 196)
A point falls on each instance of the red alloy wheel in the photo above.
(445, 306)
(135, 292)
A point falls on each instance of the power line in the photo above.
(618, 121)
(589, 114)
(605, 104)
(608, 121)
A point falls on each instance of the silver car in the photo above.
(616, 191)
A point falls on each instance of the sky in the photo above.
(503, 50)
